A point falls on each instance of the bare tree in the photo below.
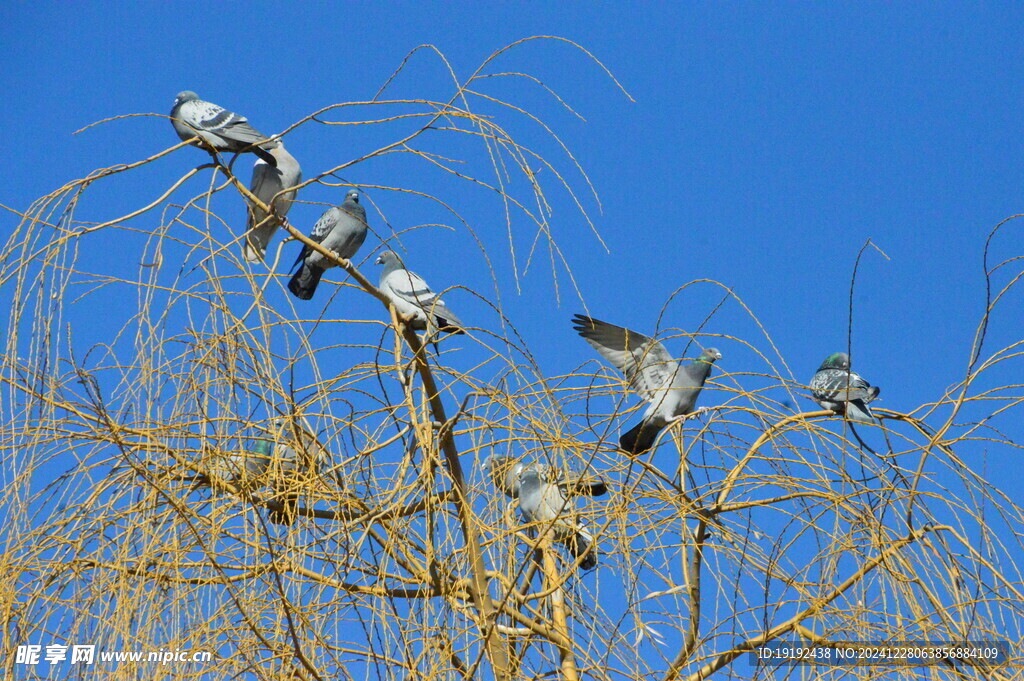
(372, 544)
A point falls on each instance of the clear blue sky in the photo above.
(764, 146)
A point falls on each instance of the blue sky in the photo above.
(762, 147)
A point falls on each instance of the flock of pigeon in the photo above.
(545, 494)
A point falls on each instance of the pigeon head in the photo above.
(504, 472)
(710, 355)
(498, 465)
(837, 360)
(185, 96)
(389, 258)
(279, 429)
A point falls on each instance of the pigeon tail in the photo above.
(444, 325)
(447, 326)
(857, 410)
(266, 156)
(639, 439)
(285, 515)
(253, 248)
(579, 545)
(445, 320)
(304, 282)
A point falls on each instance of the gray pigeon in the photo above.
(268, 182)
(837, 388)
(542, 500)
(218, 128)
(505, 472)
(341, 230)
(296, 459)
(669, 386)
(412, 297)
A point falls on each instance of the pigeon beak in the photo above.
(718, 355)
(380, 260)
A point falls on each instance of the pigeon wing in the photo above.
(412, 289)
(320, 231)
(531, 496)
(830, 385)
(444, 318)
(559, 508)
(861, 389)
(574, 482)
(348, 233)
(648, 366)
(265, 184)
(211, 118)
(325, 224)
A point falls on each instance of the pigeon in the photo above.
(542, 491)
(505, 472)
(837, 388)
(245, 468)
(412, 297)
(217, 128)
(292, 464)
(275, 458)
(268, 182)
(543, 500)
(669, 386)
(341, 230)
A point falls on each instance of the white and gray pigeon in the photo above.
(217, 128)
(543, 500)
(341, 230)
(544, 494)
(505, 472)
(670, 386)
(837, 388)
(412, 297)
(267, 183)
